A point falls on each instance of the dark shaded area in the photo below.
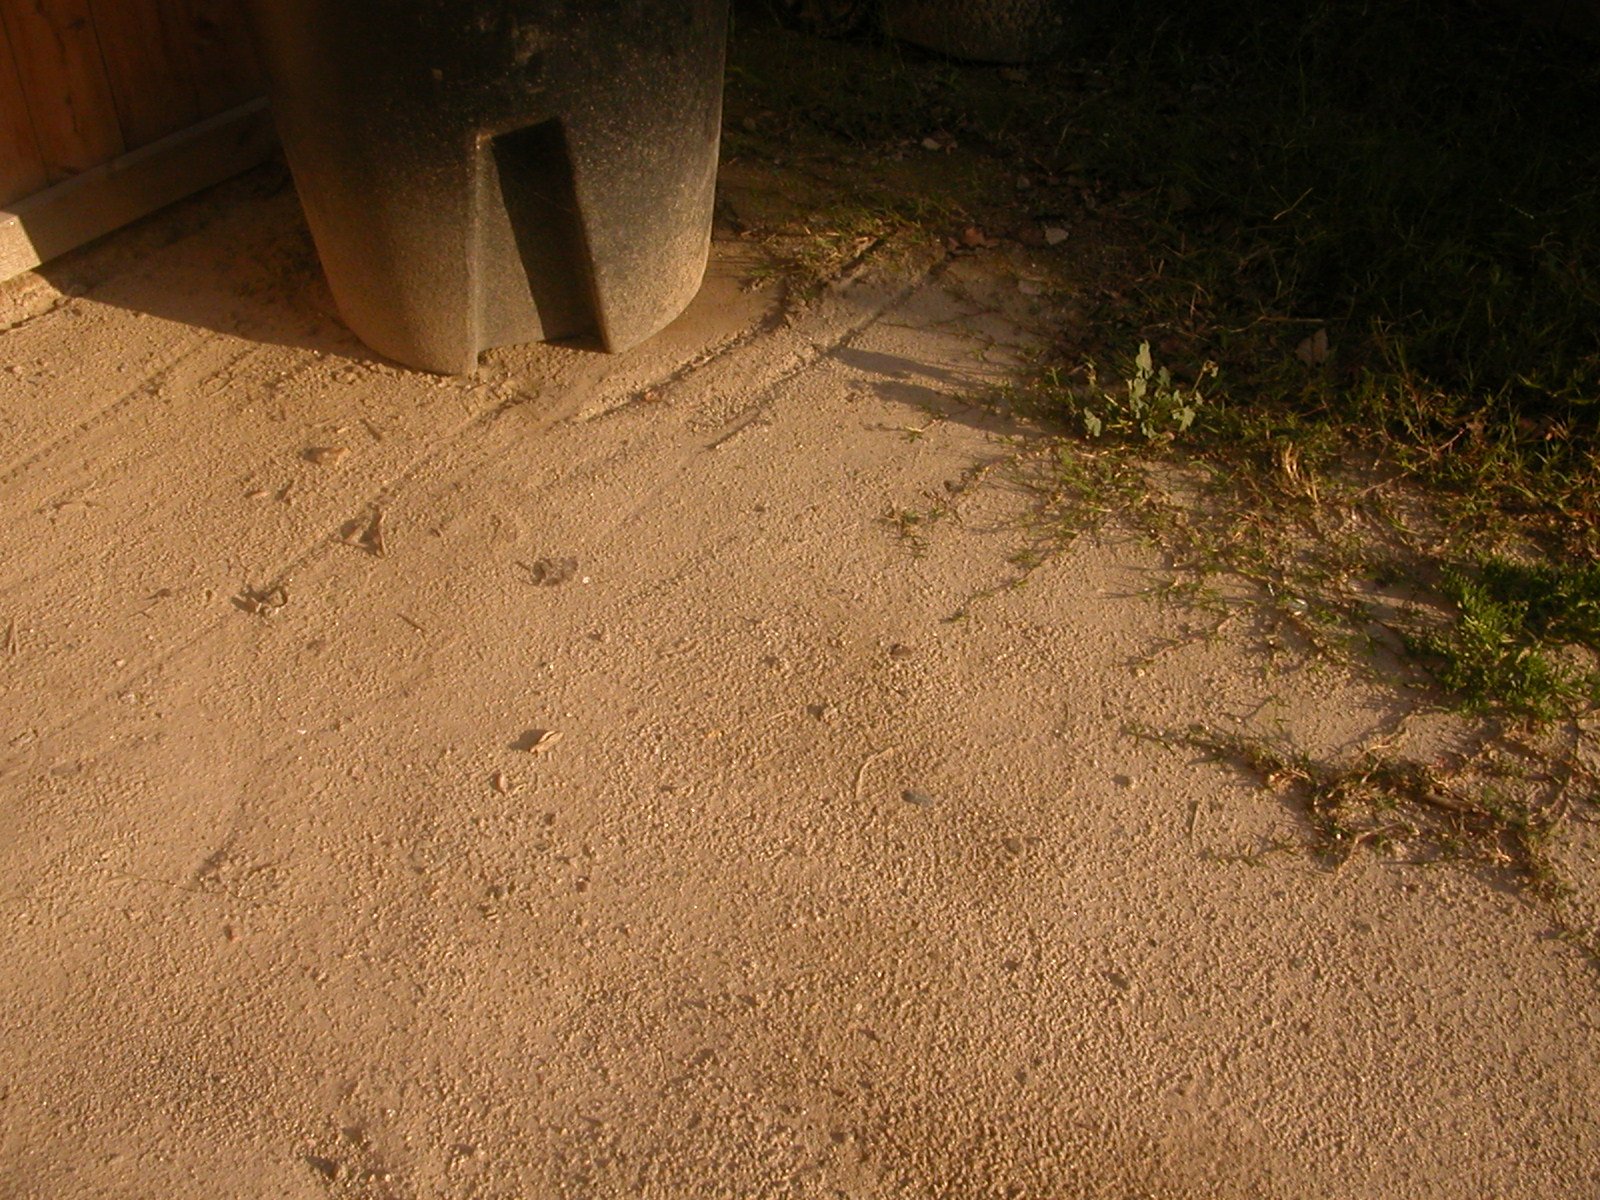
(534, 167)
(1378, 218)
(1426, 171)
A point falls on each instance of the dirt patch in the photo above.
(845, 875)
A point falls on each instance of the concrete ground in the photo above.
(843, 878)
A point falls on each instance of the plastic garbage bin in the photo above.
(481, 172)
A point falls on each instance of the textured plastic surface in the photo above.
(482, 172)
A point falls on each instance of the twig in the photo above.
(411, 623)
(211, 892)
(11, 638)
(861, 772)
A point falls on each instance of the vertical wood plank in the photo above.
(58, 61)
(222, 55)
(147, 67)
(21, 166)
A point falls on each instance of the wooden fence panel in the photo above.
(222, 55)
(148, 67)
(58, 60)
(21, 165)
(111, 109)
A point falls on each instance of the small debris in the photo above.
(539, 741)
(932, 143)
(1014, 846)
(551, 572)
(822, 712)
(920, 799)
(414, 624)
(500, 783)
(1029, 288)
(11, 638)
(262, 602)
(861, 772)
(326, 456)
(257, 494)
(326, 1167)
(901, 651)
(1314, 350)
(1054, 235)
(1118, 980)
(372, 539)
(975, 238)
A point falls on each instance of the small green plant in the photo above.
(1148, 405)
(1511, 619)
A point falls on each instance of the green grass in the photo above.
(1511, 619)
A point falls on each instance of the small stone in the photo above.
(1029, 288)
(552, 572)
(1054, 235)
(920, 799)
(901, 651)
(326, 456)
